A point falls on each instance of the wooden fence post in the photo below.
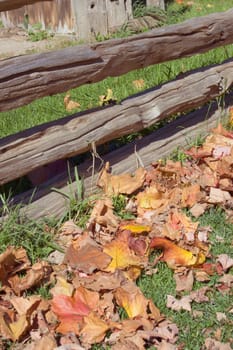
(158, 3)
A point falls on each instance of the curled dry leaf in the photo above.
(39, 272)
(174, 255)
(125, 183)
(215, 344)
(184, 281)
(136, 228)
(103, 215)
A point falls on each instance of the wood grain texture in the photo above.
(73, 135)
(151, 148)
(7, 5)
(26, 78)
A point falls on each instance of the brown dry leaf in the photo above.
(69, 104)
(179, 304)
(124, 183)
(212, 344)
(218, 196)
(39, 272)
(167, 331)
(226, 261)
(103, 215)
(198, 209)
(122, 256)
(94, 329)
(12, 261)
(25, 306)
(184, 280)
(150, 199)
(87, 258)
(47, 342)
(190, 195)
(166, 346)
(199, 296)
(139, 84)
(202, 276)
(222, 131)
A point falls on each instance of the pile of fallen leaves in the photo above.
(95, 298)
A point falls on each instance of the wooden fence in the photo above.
(23, 79)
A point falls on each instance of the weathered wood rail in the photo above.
(70, 136)
(26, 78)
(6, 5)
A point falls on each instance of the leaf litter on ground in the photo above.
(94, 296)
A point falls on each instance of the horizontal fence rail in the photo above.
(25, 151)
(26, 78)
(6, 5)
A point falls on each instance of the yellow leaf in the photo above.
(133, 301)
(136, 228)
(122, 256)
(62, 287)
(107, 99)
(94, 329)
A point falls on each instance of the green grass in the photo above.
(52, 107)
(35, 237)
(158, 286)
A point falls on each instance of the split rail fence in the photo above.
(26, 78)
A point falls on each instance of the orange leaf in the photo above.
(94, 329)
(222, 131)
(122, 256)
(124, 183)
(174, 255)
(151, 199)
(71, 310)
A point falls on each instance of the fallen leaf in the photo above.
(220, 316)
(94, 329)
(183, 303)
(62, 287)
(139, 84)
(13, 330)
(87, 259)
(226, 261)
(69, 104)
(136, 228)
(122, 256)
(132, 300)
(212, 344)
(125, 183)
(218, 196)
(174, 255)
(184, 281)
(71, 309)
(107, 99)
(102, 214)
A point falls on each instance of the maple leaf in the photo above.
(132, 300)
(94, 329)
(71, 309)
(124, 183)
(174, 255)
(122, 256)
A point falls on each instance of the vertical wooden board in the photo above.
(54, 15)
(118, 13)
(91, 18)
(158, 3)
